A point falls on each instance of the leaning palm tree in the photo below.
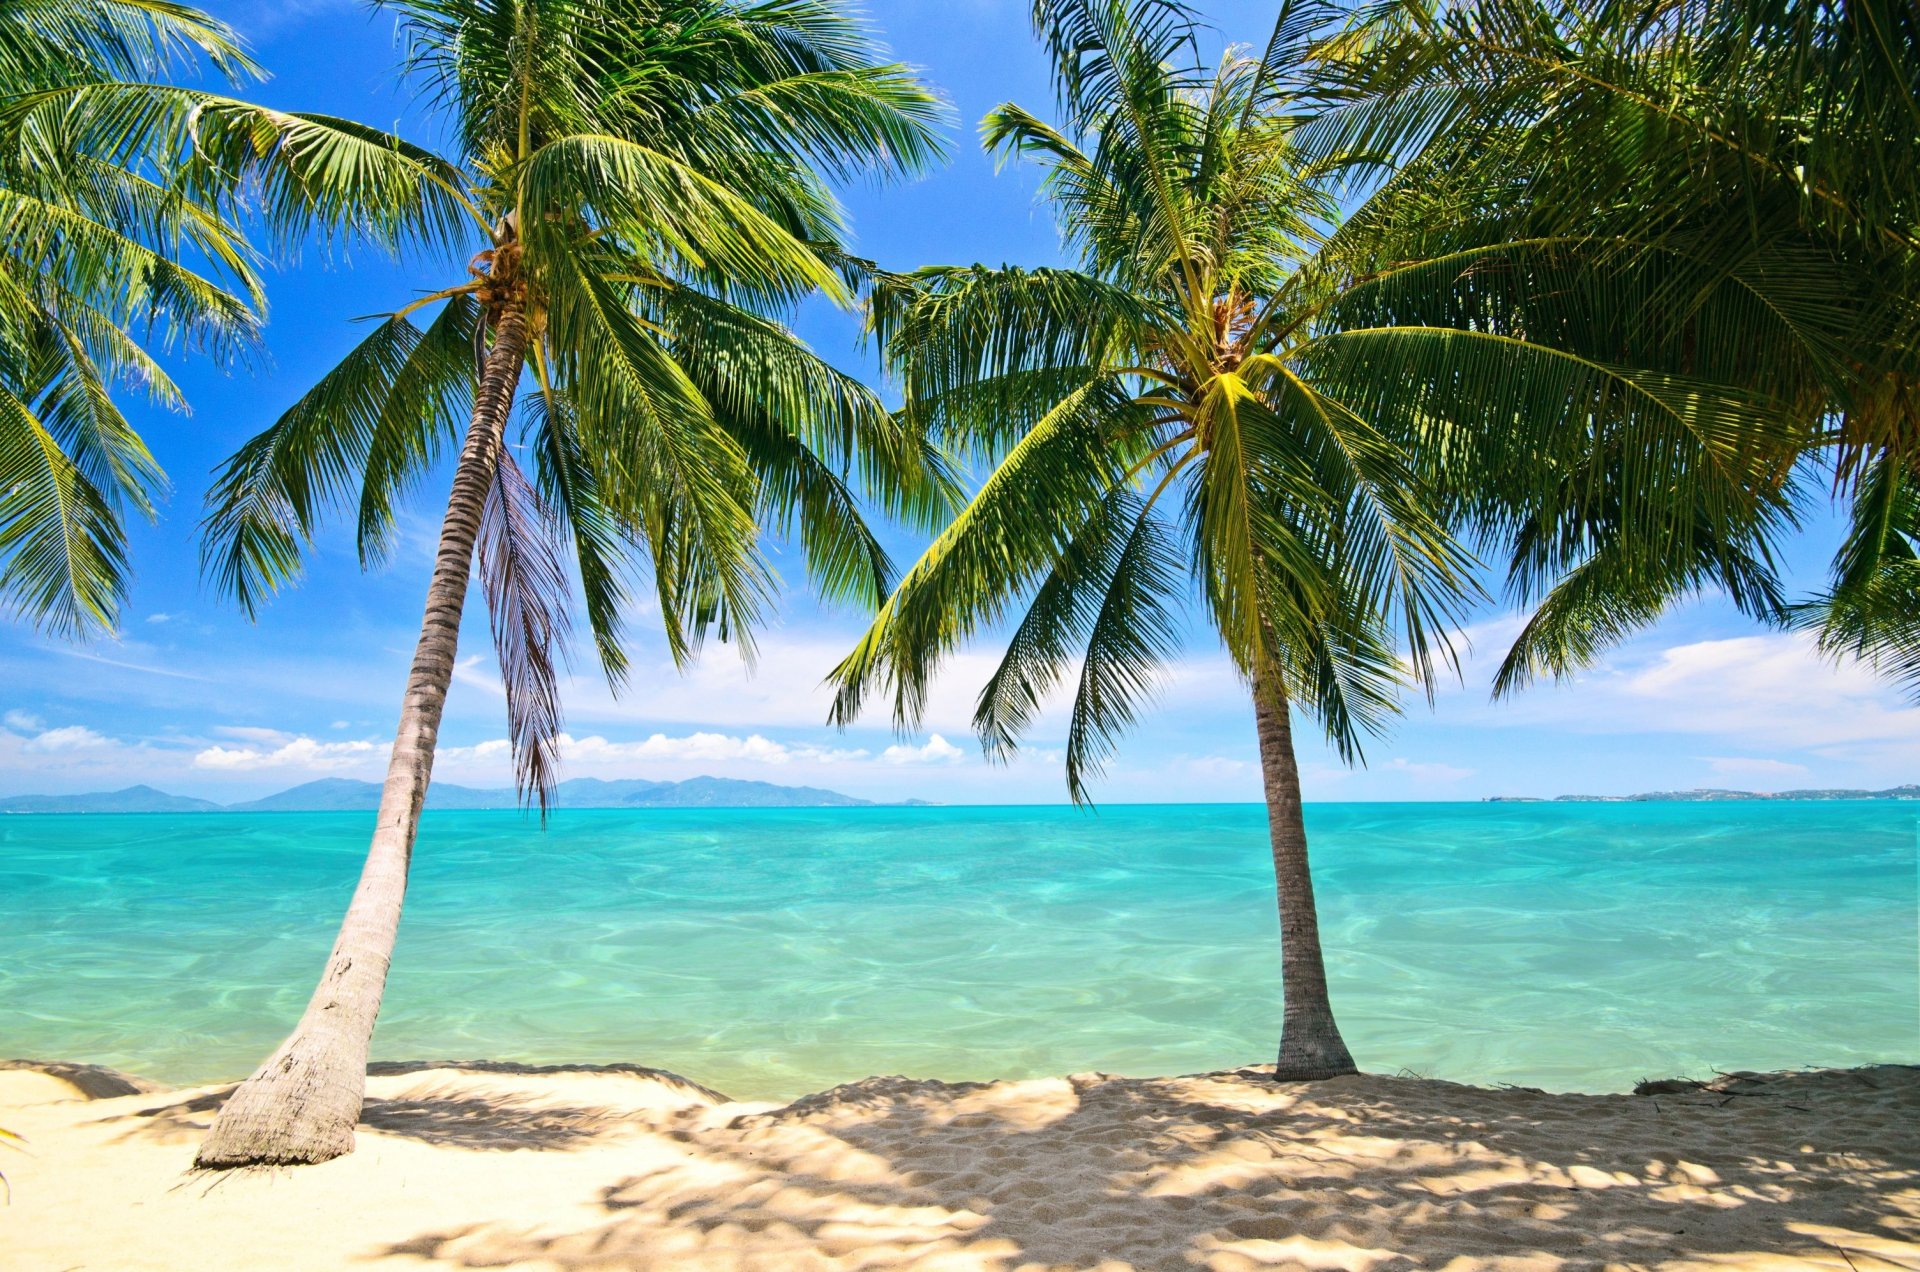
(95, 248)
(646, 184)
(1221, 406)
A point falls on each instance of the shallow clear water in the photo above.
(771, 952)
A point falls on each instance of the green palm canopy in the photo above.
(102, 262)
(1241, 404)
(1747, 172)
(650, 181)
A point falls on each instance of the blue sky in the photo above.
(194, 699)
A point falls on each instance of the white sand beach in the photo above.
(483, 1166)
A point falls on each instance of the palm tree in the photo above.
(1220, 404)
(95, 246)
(1748, 172)
(646, 182)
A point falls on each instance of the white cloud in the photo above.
(937, 750)
(300, 753)
(1753, 766)
(24, 721)
(74, 737)
(159, 618)
(1220, 766)
(1428, 771)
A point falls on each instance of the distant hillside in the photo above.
(134, 799)
(1707, 796)
(338, 794)
(344, 795)
(723, 792)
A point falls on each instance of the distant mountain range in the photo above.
(1704, 796)
(336, 794)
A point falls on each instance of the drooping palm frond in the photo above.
(63, 548)
(521, 563)
(272, 495)
(1871, 608)
(1005, 539)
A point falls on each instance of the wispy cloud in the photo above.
(265, 19)
(1749, 766)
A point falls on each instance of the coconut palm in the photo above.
(1220, 405)
(1748, 169)
(646, 185)
(96, 247)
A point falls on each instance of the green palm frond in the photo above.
(569, 485)
(44, 41)
(64, 551)
(648, 197)
(1871, 609)
(271, 496)
(1006, 537)
(428, 394)
(102, 253)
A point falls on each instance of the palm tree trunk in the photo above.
(301, 1105)
(1310, 1043)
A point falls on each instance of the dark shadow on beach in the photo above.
(1230, 1172)
(444, 1113)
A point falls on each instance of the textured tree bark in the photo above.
(1310, 1044)
(301, 1105)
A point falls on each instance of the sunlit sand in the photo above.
(475, 1166)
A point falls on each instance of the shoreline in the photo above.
(475, 1164)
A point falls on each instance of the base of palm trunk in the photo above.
(1312, 1051)
(288, 1114)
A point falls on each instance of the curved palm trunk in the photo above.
(1310, 1042)
(302, 1104)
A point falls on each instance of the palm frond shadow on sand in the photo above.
(443, 1112)
(1230, 1173)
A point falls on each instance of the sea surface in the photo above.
(773, 952)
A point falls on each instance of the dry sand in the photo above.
(474, 1166)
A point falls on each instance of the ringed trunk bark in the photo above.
(301, 1105)
(1310, 1044)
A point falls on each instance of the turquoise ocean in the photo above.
(773, 952)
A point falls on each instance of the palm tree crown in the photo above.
(646, 183)
(1153, 414)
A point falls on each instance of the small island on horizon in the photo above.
(1703, 795)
